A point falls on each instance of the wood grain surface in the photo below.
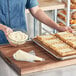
(28, 67)
(46, 5)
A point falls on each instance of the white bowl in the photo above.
(13, 38)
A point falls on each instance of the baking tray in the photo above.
(53, 54)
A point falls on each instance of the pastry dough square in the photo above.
(52, 41)
(64, 34)
(66, 51)
(59, 46)
(69, 38)
(72, 43)
(59, 42)
(62, 49)
(45, 37)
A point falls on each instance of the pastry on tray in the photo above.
(66, 51)
(61, 48)
(72, 43)
(61, 43)
(68, 37)
(58, 46)
(52, 41)
(45, 37)
(64, 34)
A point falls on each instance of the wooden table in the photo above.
(24, 68)
(51, 5)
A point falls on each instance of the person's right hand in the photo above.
(6, 30)
(65, 28)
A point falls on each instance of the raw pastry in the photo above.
(66, 51)
(45, 37)
(51, 41)
(59, 44)
(68, 37)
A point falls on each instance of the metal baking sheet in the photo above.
(60, 58)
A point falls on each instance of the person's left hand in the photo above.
(65, 28)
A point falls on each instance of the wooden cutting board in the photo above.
(28, 67)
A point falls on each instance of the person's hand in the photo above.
(65, 28)
(7, 30)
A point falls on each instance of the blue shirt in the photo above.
(12, 14)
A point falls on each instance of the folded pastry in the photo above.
(45, 37)
(66, 51)
(63, 49)
(72, 43)
(51, 41)
(59, 43)
(68, 37)
(59, 46)
(64, 34)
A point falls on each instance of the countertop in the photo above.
(24, 68)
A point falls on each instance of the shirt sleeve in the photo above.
(31, 3)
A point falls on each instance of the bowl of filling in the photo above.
(17, 38)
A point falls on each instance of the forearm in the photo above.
(41, 16)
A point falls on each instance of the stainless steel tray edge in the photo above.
(60, 58)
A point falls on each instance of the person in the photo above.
(12, 16)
